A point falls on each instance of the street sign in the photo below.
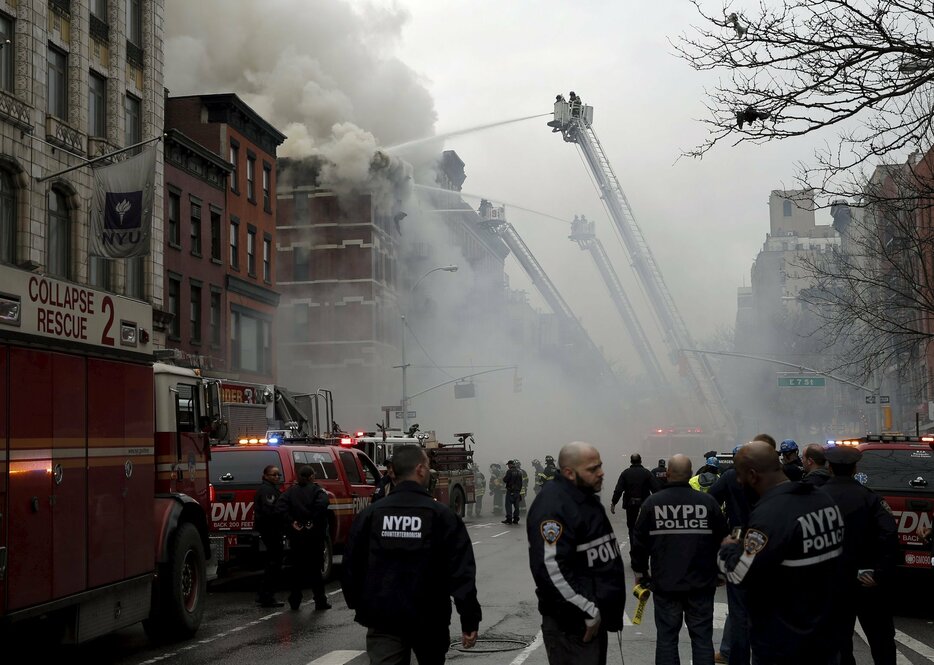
(870, 399)
(801, 381)
(399, 415)
(884, 399)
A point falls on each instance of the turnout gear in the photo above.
(406, 557)
(789, 562)
(575, 559)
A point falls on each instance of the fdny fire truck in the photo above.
(103, 467)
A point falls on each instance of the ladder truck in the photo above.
(582, 232)
(495, 218)
(575, 124)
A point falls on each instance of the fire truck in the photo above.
(451, 463)
(103, 468)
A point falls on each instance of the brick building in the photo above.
(196, 251)
(225, 125)
(100, 89)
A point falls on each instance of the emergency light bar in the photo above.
(346, 441)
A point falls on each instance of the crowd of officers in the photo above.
(802, 559)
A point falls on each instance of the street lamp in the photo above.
(405, 399)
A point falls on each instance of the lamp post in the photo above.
(404, 365)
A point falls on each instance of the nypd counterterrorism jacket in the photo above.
(406, 557)
(268, 520)
(790, 563)
(680, 530)
(575, 558)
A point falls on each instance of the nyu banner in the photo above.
(121, 207)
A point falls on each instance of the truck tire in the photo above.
(327, 560)
(458, 502)
(180, 590)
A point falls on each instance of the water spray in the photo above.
(460, 132)
(488, 198)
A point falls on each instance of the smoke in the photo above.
(321, 71)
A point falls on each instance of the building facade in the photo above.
(229, 128)
(78, 79)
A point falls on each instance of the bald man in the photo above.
(679, 530)
(789, 562)
(575, 561)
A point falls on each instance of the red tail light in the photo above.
(211, 492)
(346, 441)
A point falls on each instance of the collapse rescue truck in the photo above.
(451, 463)
(103, 468)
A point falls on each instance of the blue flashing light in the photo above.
(273, 441)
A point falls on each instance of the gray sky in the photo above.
(485, 61)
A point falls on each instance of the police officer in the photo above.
(496, 487)
(479, 481)
(660, 473)
(575, 561)
(305, 508)
(269, 525)
(512, 482)
(789, 560)
(406, 557)
(791, 463)
(634, 486)
(869, 554)
(679, 530)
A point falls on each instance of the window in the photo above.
(322, 463)
(57, 84)
(251, 251)
(235, 160)
(196, 229)
(786, 208)
(134, 22)
(350, 468)
(131, 113)
(267, 259)
(301, 208)
(174, 215)
(234, 245)
(237, 469)
(898, 470)
(195, 314)
(58, 261)
(174, 288)
(97, 105)
(216, 235)
(99, 272)
(6, 53)
(99, 9)
(300, 264)
(251, 178)
(300, 319)
(7, 218)
(135, 277)
(267, 183)
(250, 337)
(215, 318)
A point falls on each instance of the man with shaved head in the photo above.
(679, 530)
(575, 561)
(788, 560)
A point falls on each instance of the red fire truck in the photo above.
(103, 467)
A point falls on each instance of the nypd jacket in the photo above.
(513, 480)
(575, 558)
(871, 533)
(265, 510)
(635, 484)
(679, 529)
(735, 497)
(789, 562)
(406, 557)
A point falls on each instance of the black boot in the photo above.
(295, 601)
(322, 604)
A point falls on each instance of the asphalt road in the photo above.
(236, 631)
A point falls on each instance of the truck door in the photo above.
(29, 535)
(4, 471)
(360, 491)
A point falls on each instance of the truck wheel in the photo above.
(327, 560)
(180, 589)
(458, 502)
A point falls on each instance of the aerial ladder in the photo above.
(575, 123)
(494, 217)
(582, 232)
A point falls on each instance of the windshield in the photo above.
(897, 470)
